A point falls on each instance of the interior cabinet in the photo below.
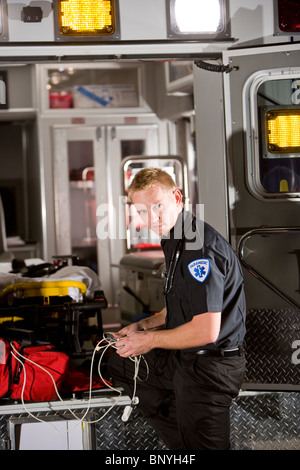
(105, 87)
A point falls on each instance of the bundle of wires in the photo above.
(103, 345)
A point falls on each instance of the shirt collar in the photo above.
(188, 228)
(176, 232)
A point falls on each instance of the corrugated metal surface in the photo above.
(271, 334)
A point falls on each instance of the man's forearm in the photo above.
(201, 330)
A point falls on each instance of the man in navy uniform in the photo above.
(193, 349)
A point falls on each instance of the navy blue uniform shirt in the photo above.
(203, 275)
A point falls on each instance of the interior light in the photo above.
(3, 21)
(197, 16)
(86, 17)
(283, 131)
(288, 12)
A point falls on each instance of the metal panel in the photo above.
(266, 422)
(259, 421)
(246, 211)
(212, 171)
(111, 432)
(269, 349)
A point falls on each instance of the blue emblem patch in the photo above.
(199, 269)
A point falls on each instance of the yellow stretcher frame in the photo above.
(37, 303)
(44, 289)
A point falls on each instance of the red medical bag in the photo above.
(31, 373)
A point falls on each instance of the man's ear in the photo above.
(178, 196)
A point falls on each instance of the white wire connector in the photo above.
(126, 413)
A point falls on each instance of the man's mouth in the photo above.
(157, 228)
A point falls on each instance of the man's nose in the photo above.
(154, 214)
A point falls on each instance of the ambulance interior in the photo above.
(77, 121)
(94, 160)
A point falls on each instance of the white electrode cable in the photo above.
(108, 343)
(82, 419)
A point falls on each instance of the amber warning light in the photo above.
(283, 131)
(86, 17)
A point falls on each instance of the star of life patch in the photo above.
(199, 269)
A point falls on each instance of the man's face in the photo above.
(158, 207)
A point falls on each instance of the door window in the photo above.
(279, 162)
(272, 128)
(82, 201)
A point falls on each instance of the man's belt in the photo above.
(236, 351)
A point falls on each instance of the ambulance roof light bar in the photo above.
(87, 20)
(197, 19)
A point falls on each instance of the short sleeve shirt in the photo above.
(207, 278)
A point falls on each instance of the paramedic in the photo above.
(193, 362)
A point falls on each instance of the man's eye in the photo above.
(142, 212)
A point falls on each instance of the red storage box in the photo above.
(60, 100)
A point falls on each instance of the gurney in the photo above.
(63, 308)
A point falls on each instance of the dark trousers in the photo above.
(185, 397)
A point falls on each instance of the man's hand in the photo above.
(127, 330)
(201, 330)
(134, 344)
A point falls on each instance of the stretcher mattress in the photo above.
(75, 275)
